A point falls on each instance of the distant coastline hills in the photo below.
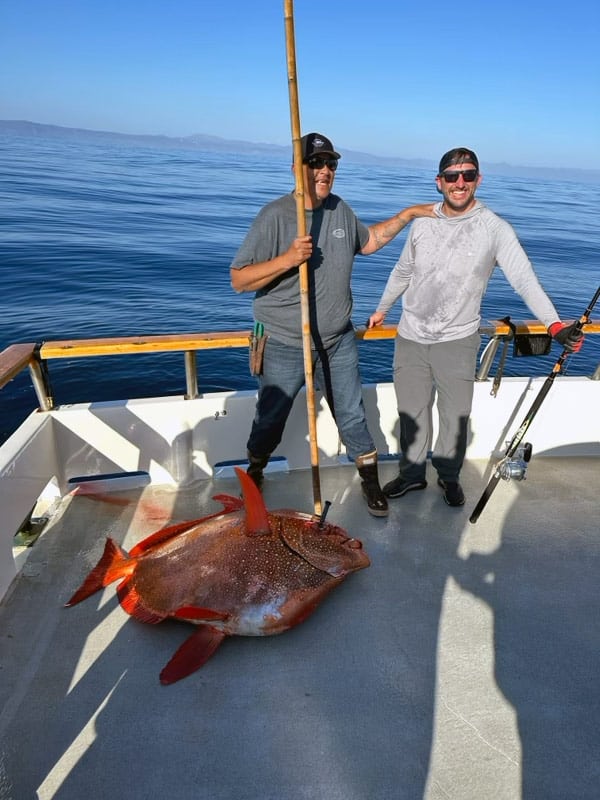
(207, 143)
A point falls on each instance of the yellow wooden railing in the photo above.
(17, 357)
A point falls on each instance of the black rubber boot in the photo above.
(256, 466)
(367, 469)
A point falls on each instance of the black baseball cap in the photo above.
(458, 155)
(315, 144)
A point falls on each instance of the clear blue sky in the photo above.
(517, 80)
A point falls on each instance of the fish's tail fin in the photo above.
(115, 564)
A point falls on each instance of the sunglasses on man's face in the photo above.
(318, 162)
(469, 175)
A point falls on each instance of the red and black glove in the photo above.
(568, 336)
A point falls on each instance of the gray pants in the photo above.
(421, 371)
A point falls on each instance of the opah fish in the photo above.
(244, 571)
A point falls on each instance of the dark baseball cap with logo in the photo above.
(458, 155)
(315, 144)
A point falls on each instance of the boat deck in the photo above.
(462, 664)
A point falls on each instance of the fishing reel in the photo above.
(514, 468)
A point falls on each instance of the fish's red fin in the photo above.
(114, 564)
(193, 654)
(198, 613)
(163, 535)
(229, 502)
(257, 518)
(132, 604)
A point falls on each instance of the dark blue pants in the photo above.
(336, 374)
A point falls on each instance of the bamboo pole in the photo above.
(301, 221)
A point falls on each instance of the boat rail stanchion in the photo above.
(191, 375)
(487, 359)
(40, 377)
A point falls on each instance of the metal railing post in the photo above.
(191, 375)
(40, 378)
(488, 358)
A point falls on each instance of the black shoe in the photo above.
(256, 464)
(376, 502)
(453, 493)
(400, 486)
(257, 476)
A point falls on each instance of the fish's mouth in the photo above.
(318, 523)
(354, 544)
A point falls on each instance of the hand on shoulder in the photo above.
(421, 210)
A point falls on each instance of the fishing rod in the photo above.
(508, 468)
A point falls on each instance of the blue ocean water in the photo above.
(110, 240)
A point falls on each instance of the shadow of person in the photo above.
(541, 584)
(53, 686)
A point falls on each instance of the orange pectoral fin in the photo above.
(257, 518)
(193, 654)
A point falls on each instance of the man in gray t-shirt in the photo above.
(441, 275)
(267, 263)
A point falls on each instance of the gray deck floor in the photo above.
(463, 663)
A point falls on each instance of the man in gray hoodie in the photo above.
(442, 274)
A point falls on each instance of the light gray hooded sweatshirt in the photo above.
(444, 269)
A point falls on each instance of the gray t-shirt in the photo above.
(337, 236)
(444, 269)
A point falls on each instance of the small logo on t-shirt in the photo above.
(339, 233)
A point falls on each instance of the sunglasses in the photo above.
(469, 175)
(318, 162)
